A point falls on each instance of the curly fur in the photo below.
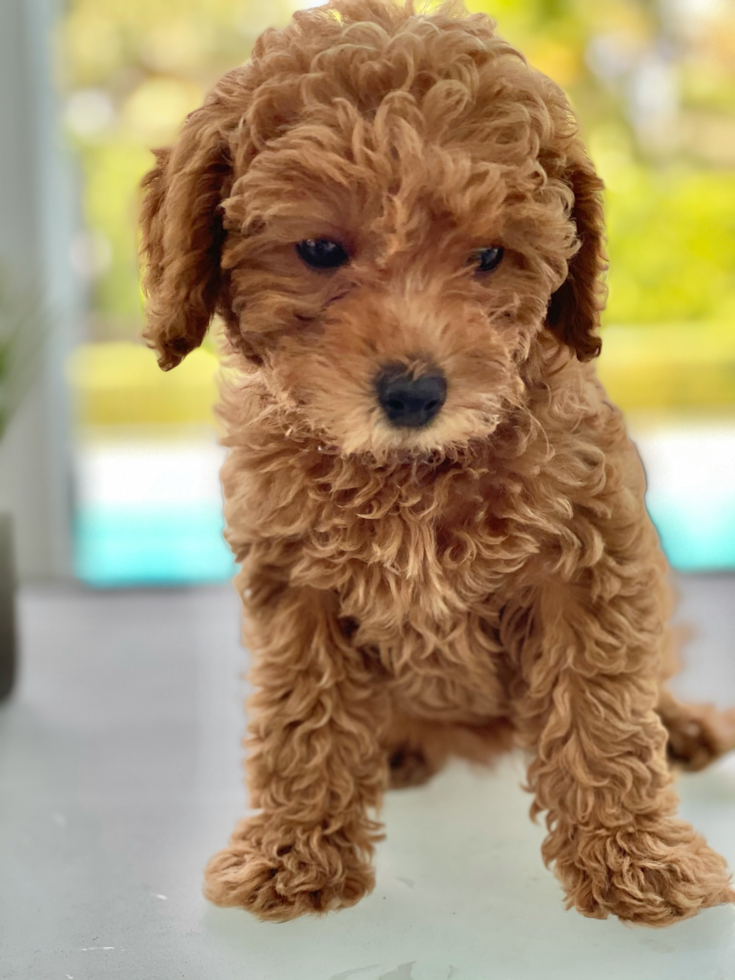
(489, 580)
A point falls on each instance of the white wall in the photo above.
(37, 222)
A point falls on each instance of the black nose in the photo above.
(407, 400)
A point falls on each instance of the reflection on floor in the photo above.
(120, 768)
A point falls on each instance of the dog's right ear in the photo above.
(182, 235)
(574, 310)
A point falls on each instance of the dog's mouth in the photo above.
(410, 403)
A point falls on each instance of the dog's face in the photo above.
(387, 210)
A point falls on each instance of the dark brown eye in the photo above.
(321, 253)
(487, 259)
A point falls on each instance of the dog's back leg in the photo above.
(697, 733)
(418, 748)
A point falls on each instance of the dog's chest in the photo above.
(405, 550)
(421, 579)
(421, 564)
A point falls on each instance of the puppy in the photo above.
(438, 514)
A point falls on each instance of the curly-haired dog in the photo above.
(439, 517)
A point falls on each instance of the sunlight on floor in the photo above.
(121, 775)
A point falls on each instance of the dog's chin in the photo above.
(441, 438)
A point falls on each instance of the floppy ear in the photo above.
(182, 235)
(574, 310)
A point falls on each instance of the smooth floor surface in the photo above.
(120, 774)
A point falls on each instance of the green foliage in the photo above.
(671, 246)
(132, 71)
(112, 174)
(108, 42)
(671, 236)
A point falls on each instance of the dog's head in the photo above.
(388, 210)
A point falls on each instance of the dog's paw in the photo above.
(698, 734)
(284, 882)
(652, 878)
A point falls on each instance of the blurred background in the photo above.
(120, 753)
(109, 466)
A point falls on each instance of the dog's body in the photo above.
(440, 519)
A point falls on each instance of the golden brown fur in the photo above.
(491, 579)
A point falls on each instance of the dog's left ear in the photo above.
(574, 310)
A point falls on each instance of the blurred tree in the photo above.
(131, 72)
(654, 86)
(653, 82)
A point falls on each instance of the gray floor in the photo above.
(120, 774)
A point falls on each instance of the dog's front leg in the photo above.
(600, 773)
(315, 766)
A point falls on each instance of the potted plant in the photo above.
(8, 655)
(19, 342)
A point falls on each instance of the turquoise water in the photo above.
(151, 545)
(183, 544)
(695, 536)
